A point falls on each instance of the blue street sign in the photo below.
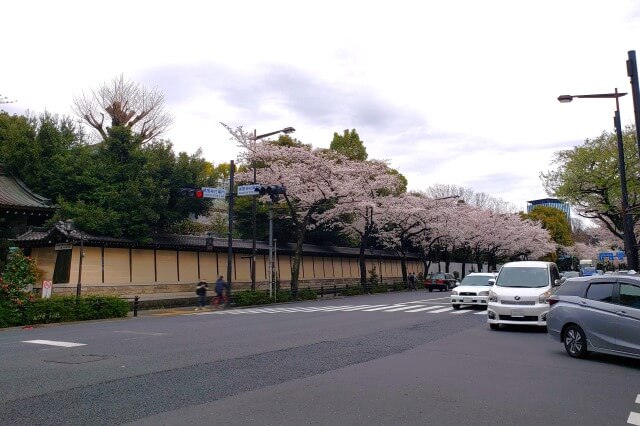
(214, 193)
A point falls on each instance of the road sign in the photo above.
(249, 189)
(214, 193)
(46, 289)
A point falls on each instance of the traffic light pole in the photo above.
(232, 169)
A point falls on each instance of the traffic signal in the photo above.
(272, 191)
(191, 192)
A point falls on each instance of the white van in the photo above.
(520, 294)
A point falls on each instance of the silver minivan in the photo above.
(597, 313)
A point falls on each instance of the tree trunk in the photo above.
(403, 264)
(363, 264)
(297, 258)
(447, 261)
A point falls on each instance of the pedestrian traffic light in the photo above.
(272, 191)
(191, 192)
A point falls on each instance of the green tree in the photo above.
(554, 221)
(349, 145)
(587, 176)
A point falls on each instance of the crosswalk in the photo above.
(407, 307)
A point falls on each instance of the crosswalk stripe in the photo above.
(54, 343)
(425, 309)
(634, 418)
(481, 313)
(358, 308)
(401, 308)
(638, 399)
(462, 311)
(441, 310)
(383, 307)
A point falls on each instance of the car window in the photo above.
(630, 295)
(572, 288)
(601, 292)
(530, 277)
(476, 280)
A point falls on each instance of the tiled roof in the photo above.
(15, 194)
(189, 242)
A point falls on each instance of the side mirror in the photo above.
(492, 281)
(558, 282)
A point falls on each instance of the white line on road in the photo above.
(462, 311)
(402, 308)
(384, 307)
(54, 343)
(634, 419)
(425, 309)
(638, 399)
(481, 313)
(441, 310)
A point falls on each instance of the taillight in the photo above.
(552, 301)
(439, 281)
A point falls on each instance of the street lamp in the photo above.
(69, 226)
(627, 222)
(286, 131)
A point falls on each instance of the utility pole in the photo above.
(232, 169)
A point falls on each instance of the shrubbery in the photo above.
(251, 297)
(352, 291)
(307, 294)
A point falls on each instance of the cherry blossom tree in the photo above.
(315, 180)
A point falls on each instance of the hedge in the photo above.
(63, 309)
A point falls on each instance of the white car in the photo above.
(520, 295)
(473, 290)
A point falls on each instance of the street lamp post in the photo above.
(627, 222)
(254, 207)
(68, 226)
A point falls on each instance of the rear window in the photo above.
(572, 288)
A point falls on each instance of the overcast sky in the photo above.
(454, 92)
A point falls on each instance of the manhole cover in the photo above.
(77, 359)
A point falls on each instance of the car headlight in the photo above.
(483, 293)
(454, 293)
(544, 297)
(493, 297)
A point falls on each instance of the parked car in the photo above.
(599, 314)
(440, 281)
(569, 274)
(473, 290)
(521, 292)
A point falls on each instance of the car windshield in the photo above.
(476, 280)
(523, 277)
(437, 276)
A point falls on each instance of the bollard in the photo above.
(321, 291)
(335, 291)
(135, 306)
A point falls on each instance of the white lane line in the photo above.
(54, 343)
(358, 308)
(462, 311)
(402, 308)
(384, 307)
(441, 310)
(634, 419)
(425, 309)
(638, 399)
(481, 313)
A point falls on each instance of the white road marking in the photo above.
(481, 313)
(462, 311)
(425, 309)
(441, 310)
(54, 343)
(402, 308)
(357, 308)
(634, 419)
(638, 399)
(385, 307)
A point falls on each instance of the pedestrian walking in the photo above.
(221, 288)
(412, 281)
(201, 291)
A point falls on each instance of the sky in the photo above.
(459, 92)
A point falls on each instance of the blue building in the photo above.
(551, 202)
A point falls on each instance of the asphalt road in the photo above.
(385, 359)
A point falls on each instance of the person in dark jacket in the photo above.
(221, 287)
(201, 291)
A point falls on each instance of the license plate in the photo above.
(517, 313)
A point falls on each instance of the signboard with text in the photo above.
(248, 189)
(218, 193)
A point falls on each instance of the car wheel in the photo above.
(456, 306)
(575, 342)
(430, 289)
(494, 326)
